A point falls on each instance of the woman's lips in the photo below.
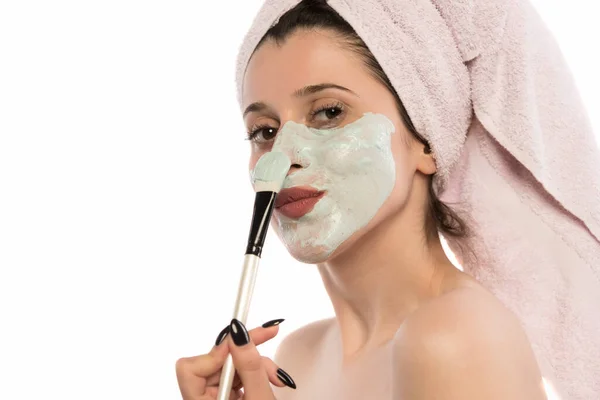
(297, 201)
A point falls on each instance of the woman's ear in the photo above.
(425, 161)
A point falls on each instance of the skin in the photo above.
(408, 325)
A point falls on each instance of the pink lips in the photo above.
(297, 201)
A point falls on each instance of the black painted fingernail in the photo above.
(286, 378)
(273, 323)
(222, 336)
(239, 334)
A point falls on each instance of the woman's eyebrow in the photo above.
(255, 107)
(305, 91)
(311, 89)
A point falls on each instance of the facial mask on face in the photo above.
(355, 167)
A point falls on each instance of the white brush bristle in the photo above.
(270, 172)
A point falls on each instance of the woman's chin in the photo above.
(313, 254)
(309, 254)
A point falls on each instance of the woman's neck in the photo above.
(381, 279)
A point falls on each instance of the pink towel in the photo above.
(486, 84)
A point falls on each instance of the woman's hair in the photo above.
(314, 14)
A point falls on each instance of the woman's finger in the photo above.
(248, 364)
(200, 375)
(258, 336)
(191, 373)
(277, 376)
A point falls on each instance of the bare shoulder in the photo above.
(303, 341)
(460, 311)
(465, 344)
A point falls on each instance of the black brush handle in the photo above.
(261, 217)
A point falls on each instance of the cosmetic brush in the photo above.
(267, 178)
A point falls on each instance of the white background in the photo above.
(124, 195)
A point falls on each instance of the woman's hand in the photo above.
(198, 377)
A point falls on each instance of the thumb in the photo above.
(248, 364)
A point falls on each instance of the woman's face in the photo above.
(353, 160)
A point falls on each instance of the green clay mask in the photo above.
(355, 167)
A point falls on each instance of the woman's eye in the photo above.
(262, 134)
(330, 113)
(328, 116)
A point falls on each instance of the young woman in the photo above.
(360, 202)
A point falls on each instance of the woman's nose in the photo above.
(288, 141)
(294, 168)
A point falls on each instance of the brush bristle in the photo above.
(270, 172)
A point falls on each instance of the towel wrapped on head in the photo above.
(486, 84)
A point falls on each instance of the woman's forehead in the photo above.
(305, 58)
